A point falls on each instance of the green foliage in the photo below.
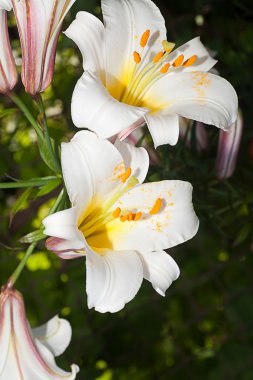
(203, 327)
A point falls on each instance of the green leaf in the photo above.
(7, 112)
(242, 235)
(20, 203)
(48, 187)
(46, 155)
(32, 237)
(34, 182)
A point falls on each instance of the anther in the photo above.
(158, 56)
(137, 57)
(165, 68)
(178, 61)
(123, 218)
(168, 46)
(129, 216)
(116, 213)
(190, 61)
(137, 216)
(144, 38)
(157, 207)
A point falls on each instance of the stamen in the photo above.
(157, 207)
(137, 57)
(116, 213)
(137, 216)
(144, 38)
(165, 68)
(123, 218)
(168, 46)
(124, 177)
(178, 61)
(158, 56)
(190, 61)
(129, 216)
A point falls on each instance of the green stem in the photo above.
(35, 182)
(12, 280)
(40, 104)
(27, 114)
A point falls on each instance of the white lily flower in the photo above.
(132, 77)
(8, 72)
(39, 23)
(6, 5)
(119, 224)
(29, 354)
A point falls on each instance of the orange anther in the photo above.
(123, 218)
(116, 213)
(165, 68)
(144, 38)
(138, 216)
(178, 61)
(190, 61)
(157, 207)
(129, 216)
(124, 177)
(158, 56)
(137, 57)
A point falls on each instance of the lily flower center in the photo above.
(144, 75)
(99, 225)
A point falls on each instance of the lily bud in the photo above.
(29, 354)
(39, 23)
(229, 144)
(8, 72)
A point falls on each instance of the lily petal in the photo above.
(164, 128)
(174, 224)
(135, 158)
(199, 96)
(113, 279)
(204, 61)
(95, 109)
(63, 224)
(87, 31)
(90, 167)
(55, 335)
(125, 22)
(160, 269)
(6, 5)
(66, 249)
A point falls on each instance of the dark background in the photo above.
(203, 328)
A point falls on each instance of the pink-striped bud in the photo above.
(27, 353)
(8, 72)
(39, 23)
(229, 144)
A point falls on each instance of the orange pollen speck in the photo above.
(144, 38)
(137, 57)
(157, 207)
(116, 213)
(138, 216)
(190, 61)
(129, 216)
(158, 56)
(178, 61)
(123, 218)
(165, 68)
(124, 177)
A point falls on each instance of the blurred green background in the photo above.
(203, 329)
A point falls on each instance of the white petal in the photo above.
(174, 224)
(199, 96)
(6, 5)
(113, 279)
(87, 31)
(125, 22)
(204, 61)
(164, 129)
(55, 335)
(95, 109)
(66, 249)
(135, 158)
(160, 269)
(90, 168)
(63, 224)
